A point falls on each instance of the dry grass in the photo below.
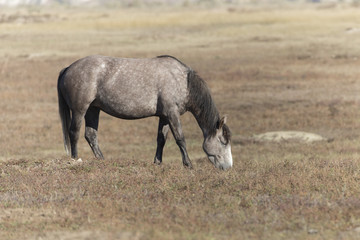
(268, 70)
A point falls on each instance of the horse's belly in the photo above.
(138, 107)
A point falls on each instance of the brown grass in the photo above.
(268, 70)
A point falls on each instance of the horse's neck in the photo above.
(206, 118)
(201, 104)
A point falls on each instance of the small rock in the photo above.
(357, 229)
(280, 136)
(312, 231)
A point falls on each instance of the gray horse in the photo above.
(139, 88)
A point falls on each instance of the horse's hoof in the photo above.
(79, 160)
(188, 165)
(157, 161)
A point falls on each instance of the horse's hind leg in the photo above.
(74, 132)
(91, 127)
(161, 139)
(175, 126)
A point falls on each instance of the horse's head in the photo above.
(217, 146)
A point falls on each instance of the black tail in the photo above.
(64, 112)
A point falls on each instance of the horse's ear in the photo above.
(222, 121)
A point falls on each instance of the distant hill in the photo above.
(130, 3)
(14, 3)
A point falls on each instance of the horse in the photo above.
(135, 88)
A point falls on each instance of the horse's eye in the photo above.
(222, 141)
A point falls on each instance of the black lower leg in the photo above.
(91, 138)
(176, 129)
(161, 140)
(92, 123)
(185, 157)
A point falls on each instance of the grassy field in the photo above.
(268, 70)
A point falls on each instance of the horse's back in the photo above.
(128, 88)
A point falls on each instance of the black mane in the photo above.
(201, 103)
(168, 56)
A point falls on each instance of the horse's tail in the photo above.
(64, 112)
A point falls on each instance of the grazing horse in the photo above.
(139, 88)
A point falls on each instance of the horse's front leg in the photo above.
(175, 126)
(161, 139)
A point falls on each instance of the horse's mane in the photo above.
(201, 103)
(168, 56)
